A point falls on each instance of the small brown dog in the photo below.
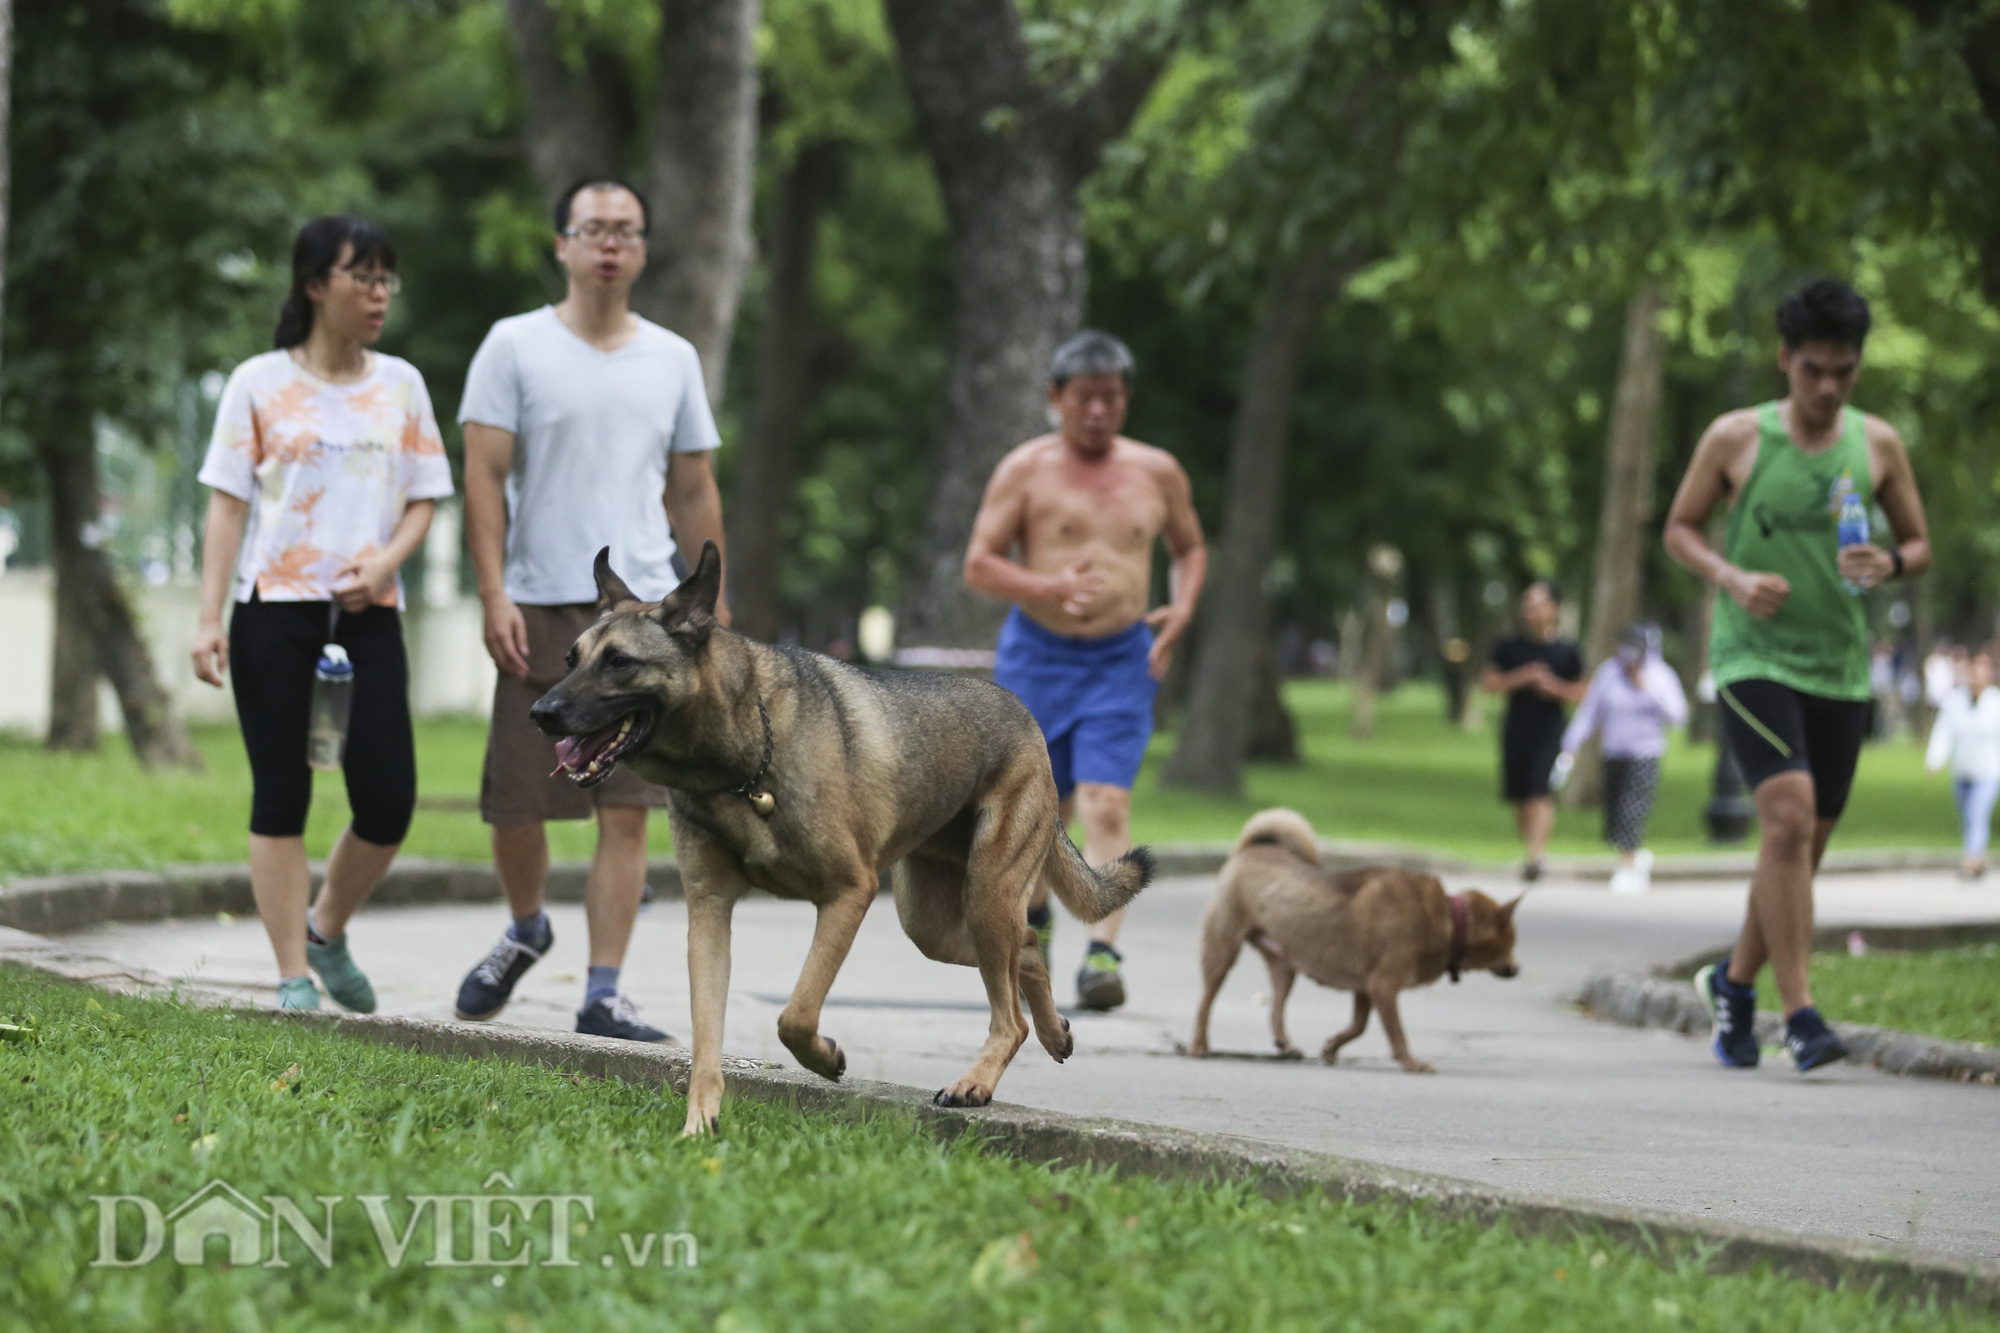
(1376, 932)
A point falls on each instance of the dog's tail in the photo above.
(1092, 895)
(1282, 828)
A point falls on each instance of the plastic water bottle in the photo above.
(332, 701)
(1853, 531)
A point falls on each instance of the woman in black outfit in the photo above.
(1539, 673)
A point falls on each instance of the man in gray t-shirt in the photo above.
(585, 427)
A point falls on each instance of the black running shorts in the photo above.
(1773, 729)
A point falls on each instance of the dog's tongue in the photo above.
(569, 752)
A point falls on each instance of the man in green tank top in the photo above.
(1789, 649)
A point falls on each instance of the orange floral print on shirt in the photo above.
(328, 469)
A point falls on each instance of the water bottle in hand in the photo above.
(332, 701)
(1559, 775)
(1853, 531)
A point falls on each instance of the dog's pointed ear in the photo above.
(611, 589)
(1507, 908)
(690, 609)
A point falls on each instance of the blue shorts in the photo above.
(1092, 697)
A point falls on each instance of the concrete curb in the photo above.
(1637, 1000)
(1058, 1139)
(57, 903)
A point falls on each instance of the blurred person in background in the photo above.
(1539, 671)
(1966, 735)
(1633, 698)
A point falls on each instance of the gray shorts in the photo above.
(516, 786)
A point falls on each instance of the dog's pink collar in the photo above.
(1461, 922)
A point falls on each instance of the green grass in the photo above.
(801, 1222)
(1419, 781)
(1424, 781)
(1950, 993)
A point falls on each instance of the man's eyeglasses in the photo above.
(369, 282)
(625, 233)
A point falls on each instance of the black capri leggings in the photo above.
(273, 648)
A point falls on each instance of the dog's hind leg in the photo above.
(1223, 931)
(1283, 974)
(1005, 855)
(930, 900)
(1051, 1028)
(833, 935)
(1331, 1051)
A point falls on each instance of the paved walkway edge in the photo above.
(1641, 1001)
(1058, 1139)
(56, 903)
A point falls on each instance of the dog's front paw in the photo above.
(1416, 1066)
(825, 1058)
(1061, 1045)
(1287, 1051)
(965, 1092)
(704, 1107)
(1196, 1049)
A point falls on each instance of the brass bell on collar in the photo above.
(763, 803)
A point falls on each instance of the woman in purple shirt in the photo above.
(1634, 697)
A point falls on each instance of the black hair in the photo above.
(1824, 310)
(1091, 352)
(1549, 586)
(314, 254)
(600, 183)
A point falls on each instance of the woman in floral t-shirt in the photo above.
(325, 467)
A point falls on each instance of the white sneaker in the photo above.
(1628, 879)
(1642, 871)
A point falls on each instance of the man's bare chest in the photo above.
(1125, 513)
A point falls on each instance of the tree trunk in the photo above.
(767, 461)
(1378, 647)
(700, 174)
(1625, 516)
(1237, 608)
(699, 164)
(6, 117)
(1454, 652)
(571, 129)
(1009, 154)
(1978, 31)
(96, 631)
(1273, 735)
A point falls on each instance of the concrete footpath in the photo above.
(1530, 1095)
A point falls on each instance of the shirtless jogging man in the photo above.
(1789, 651)
(585, 426)
(1085, 505)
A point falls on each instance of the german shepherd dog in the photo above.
(806, 777)
(1376, 932)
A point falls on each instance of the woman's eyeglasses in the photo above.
(369, 282)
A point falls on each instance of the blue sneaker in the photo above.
(1811, 1042)
(616, 1016)
(487, 988)
(1735, 1011)
(297, 993)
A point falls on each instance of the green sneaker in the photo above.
(1098, 985)
(298, 993)
(345, 982)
